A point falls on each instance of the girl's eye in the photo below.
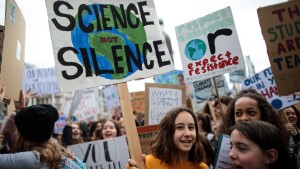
(191, 127)
(179, 127)
(242, 149)
(238, 114)
(252, 113)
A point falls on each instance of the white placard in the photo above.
(110, 153)
(209, 46)
(98, 43)
(162, 100)
(264, 83)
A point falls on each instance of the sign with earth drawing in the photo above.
(209, 46)
(98, 43)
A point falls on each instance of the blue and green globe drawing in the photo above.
(126, 36)
(195, 49)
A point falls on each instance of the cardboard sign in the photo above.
(87, 107)
(161, 98)
(138, 101)
(106, 42)
(110, 153)
(13, 53)
(209, 46)
(41, 81)
(264, 83)
(280, 28)
(111, 97)
(222, 157)
(146, 136)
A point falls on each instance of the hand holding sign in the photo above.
(23, 99)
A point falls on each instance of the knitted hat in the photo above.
(36, 122)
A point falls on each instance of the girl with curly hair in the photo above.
(249, 105)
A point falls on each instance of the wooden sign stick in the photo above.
(212, 112)
(219, 100)
(130, 127)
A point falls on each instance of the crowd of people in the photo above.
(261, 136)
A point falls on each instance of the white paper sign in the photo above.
(209, 46)
(264, 82)
(41, 81)
(110, 153)
(98, 43)
(60, 124)
(111, 97)
(87, 107)
(222, 157)
(162, 100)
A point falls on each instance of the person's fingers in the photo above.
(144, 158)
(132, 164)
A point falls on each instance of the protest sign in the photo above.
(209, 46)
(87, 106)
(60, 124)
(222, 86)
(222, 157)
(111, 97)
(109, 153)
(41, 81)
(168, 78)
(13, 53)
(265, 84)
(138, 101)
(280, 28)
(146, 136)
(237, 76)
(161, 98)
(106, 42)
(205, 89)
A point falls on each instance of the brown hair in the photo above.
(266, 136)
(268, 113)
(99, 132)
(163, 146)
(50, 151)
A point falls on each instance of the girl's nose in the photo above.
(232, 154)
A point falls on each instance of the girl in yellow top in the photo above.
(177, 145)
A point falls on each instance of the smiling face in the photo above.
(109, 130)
(245, 154)
(291, 115)
(75, 131)
(246, 109)
(185, 133)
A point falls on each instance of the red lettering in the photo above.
(213, 58)
(290, 45)
(197, 71)
(235, 60)
(280, 48)
(228, 54)
(198, 63)
(219, 57)
(279, 13)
